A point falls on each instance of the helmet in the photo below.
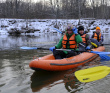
(97, 28)
(80, 28)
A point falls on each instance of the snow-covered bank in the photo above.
(37, 26)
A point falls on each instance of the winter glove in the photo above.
(75, 31)
(51, 48)
(88, 48)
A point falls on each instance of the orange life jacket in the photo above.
(84, 38)
(72, 42)
(97, 37)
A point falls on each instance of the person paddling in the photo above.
(69, 41)
(86, 40)
(98, 35)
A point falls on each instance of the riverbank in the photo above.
(39, 26)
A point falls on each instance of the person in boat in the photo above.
(86, 44)
(98, 35)
(69, 41)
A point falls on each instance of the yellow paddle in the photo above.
(92, 74)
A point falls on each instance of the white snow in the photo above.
(39, 26)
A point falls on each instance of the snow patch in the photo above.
(38, 26)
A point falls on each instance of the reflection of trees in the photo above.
(42, 79)
(13, 42)
(106, 38)
(71, 83)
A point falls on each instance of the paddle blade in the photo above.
(104, 57)
(28, 48)
(92, 74)
(57, 30)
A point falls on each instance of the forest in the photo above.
(55, 9)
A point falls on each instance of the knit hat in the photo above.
(69, 28)
(80, 28)
(97, 28)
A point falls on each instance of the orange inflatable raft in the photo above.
(49, 63)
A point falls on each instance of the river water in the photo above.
(17, 77)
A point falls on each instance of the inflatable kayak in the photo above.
(49, 63)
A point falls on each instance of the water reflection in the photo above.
(41, 79)
(13, 42)
(106, 38)
(15, 73)
(65, 81)
(45, 79)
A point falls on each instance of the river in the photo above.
(17, 77)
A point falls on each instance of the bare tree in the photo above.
(55, 9)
